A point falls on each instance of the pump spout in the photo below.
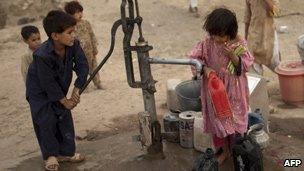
(198, 66)
(194, 62)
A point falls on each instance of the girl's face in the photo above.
(221, 39)
(78, 16)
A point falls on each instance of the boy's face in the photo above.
(33, 41)
(78, 15)
(66, 38)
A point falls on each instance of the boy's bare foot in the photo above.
(191, 10)
(272, 109)
(100, 87)
(195, 11)
(197, 15)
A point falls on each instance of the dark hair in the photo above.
(26, 31)
(57, 21)
(72, 7)
(221, 22)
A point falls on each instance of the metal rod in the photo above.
(113, 33)
(141, 37)
(123, 15)
(194, 62)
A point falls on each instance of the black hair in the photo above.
(73, 7)
(57, 21)
(26, 31)
(221, 22)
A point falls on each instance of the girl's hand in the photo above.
(207, 71)
(229, 49)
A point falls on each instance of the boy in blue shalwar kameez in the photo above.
(48, 81)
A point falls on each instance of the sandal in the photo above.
(74, 159)
(51, 164)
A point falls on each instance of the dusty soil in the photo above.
(112, 111)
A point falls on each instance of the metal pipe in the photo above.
(194, 62)
(113, 33)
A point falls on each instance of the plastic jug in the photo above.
(219, 96)
(255, 118)
(206, 162)
(247, 155)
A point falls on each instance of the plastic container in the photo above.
(172, 101)
(186, 122)
(171, 127)
(255, 118)
(206, 161)
(201, 140)
(291, 78)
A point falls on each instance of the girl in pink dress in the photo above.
(226, 54)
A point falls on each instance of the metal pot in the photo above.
(257, 133)
(188, 95)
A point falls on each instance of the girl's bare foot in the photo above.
(222, 157)
(224, 153)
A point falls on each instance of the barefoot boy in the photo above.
(86, 36)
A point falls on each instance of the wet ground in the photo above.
(124, 154)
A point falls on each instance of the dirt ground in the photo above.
(104, 113)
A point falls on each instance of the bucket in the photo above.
(186, 122)
(291, 78)
(188, 95)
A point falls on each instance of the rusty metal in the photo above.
(194, 62)
(113, 33)
(128, 21)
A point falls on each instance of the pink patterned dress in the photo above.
(212, 55)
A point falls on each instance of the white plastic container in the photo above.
(172, 102)
(201, 140)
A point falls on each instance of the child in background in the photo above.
(260, 33)
(48, 81)
(224, 53)
(86, 36)
(31, 37)
(193, 7)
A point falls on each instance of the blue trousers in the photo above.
(54, 131)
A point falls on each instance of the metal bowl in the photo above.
(188, 95)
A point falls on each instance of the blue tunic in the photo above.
(49, 76)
